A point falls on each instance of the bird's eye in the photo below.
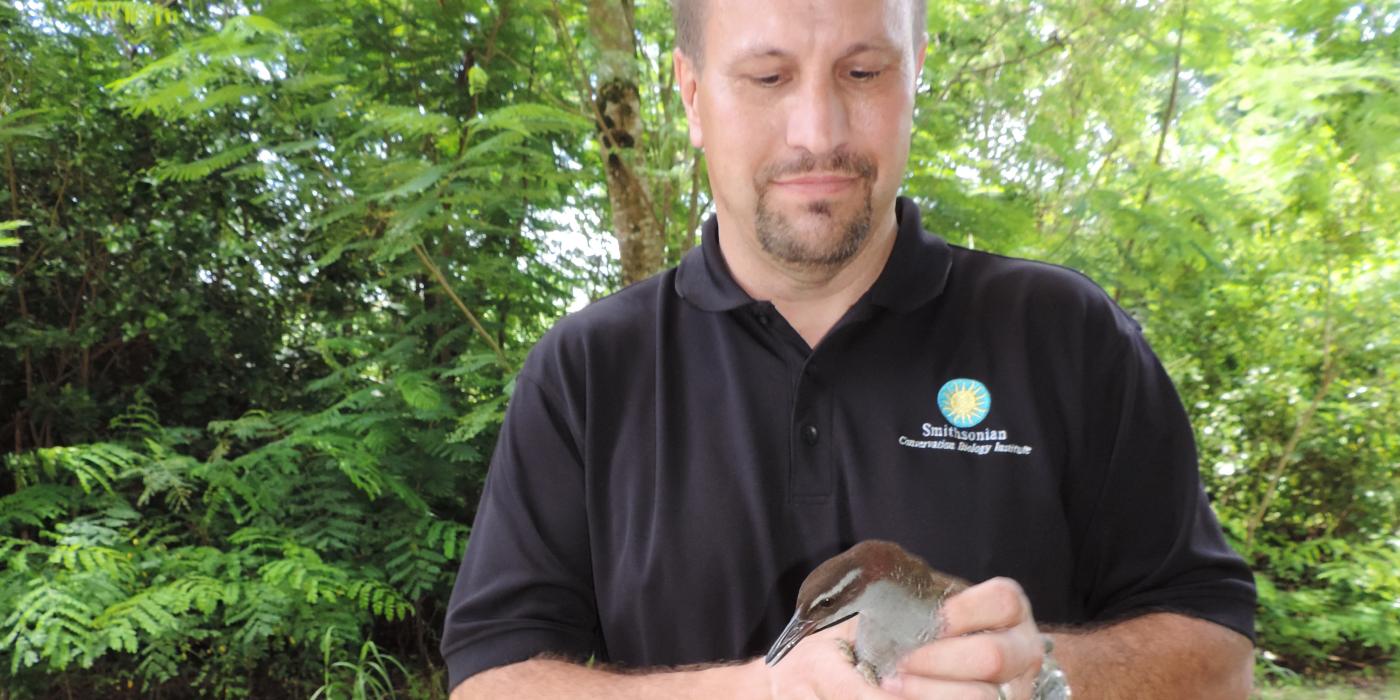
(824, 603)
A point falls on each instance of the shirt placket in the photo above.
(812, 474)
(811, 471)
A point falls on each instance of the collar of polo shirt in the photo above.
(914, 275)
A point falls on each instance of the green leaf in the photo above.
(419, 391)
(128, 12)
(422, 181)
(26, 122)
(204, 167)
(477, 79)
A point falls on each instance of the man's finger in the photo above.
(992, 657)
(994, 604)
(921, 688)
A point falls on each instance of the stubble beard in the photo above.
(787, 242)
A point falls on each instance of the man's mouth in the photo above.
(816, 184)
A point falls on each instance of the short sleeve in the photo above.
(1152, 542)
(525, 584)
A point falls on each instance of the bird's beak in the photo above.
(796, 629)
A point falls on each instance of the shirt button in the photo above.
(810, 434)
(763, 320)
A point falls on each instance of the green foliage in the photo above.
(1328, 595)
(245, 405)
(285, 543)
(247, 413)
(368, 676)
(127, 12)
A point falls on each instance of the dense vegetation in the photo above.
(267, 269)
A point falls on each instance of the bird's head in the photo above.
(837, 589)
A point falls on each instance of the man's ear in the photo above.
(688, 79)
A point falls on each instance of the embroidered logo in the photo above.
(964, 402)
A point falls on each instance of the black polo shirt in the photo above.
(675, 459)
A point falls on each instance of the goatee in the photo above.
(785, 241)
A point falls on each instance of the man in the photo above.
(821, 371)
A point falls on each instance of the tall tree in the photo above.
(617, 112)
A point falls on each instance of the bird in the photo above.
(898, 596)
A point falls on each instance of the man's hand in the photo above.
(990, 639)
(821, 666)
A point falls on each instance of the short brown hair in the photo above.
(689, 16)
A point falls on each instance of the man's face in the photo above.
(804, 109)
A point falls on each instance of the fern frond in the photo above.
(256, 539)
(152, 612)
(93, 463)
(530, 118)
(37, 504)
(140, 419)
(482, 416)
(379, 598)
(447, 536)
(104, 560)
(15, 553)
(104, 528)
(406, 495)
(159, 663)
(167, 473)
(246, 26)
(204, 167)
(133, 13)
(51, 623)
(205, 593)
(307, 82)
(264, 614)
(419, 391)
(362, 469)
(404, 121)
(331, 515)
(415, 569)
(303, 570)
(254, 424)
(214, 99)
(25, 122)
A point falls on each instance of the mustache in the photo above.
(840, 161)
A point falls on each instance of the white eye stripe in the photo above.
(846, 580)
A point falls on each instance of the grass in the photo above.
(1370, 691)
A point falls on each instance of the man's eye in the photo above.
(767, 80)
(865, 75)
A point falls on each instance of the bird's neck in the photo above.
(894, 619)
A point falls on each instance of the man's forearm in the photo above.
(548, 678)
(1161, 655)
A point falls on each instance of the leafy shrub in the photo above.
(293, 537)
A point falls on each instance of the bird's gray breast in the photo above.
(892, 623)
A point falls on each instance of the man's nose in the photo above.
(817, 119)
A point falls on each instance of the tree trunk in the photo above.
(617, 104)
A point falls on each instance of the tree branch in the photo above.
(1169, 112)
(442, 281)
(693, 216)
(1329, 375)
(14, 182)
